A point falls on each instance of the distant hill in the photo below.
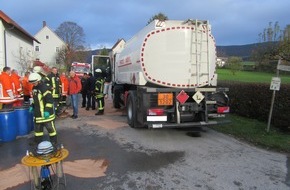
(243, 51)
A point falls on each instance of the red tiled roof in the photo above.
(8, 20)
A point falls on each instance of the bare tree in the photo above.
(74, 37)
(23, 59)
(160, 16)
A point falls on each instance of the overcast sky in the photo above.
(234, 22)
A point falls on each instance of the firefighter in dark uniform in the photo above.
(42, 106)
(55, 85)
(99, 91)
(39, 70)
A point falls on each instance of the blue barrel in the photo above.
(30, 121)
(22, 117)
(8, 126)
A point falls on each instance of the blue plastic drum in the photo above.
(22, 117)
(30, 121)
(8, 126)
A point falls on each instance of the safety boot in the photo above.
(100, 112)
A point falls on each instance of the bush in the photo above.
(253, 100)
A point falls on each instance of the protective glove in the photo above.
(30, 109)
(46, 114)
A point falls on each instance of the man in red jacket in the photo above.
(74, 88)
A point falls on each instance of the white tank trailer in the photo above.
(165, 77)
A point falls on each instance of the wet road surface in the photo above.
(107, 154)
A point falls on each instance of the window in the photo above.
(47, 37)
(36, 48)
(57, 49)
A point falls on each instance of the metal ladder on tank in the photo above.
(198, 51)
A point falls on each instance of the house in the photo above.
(16, 45)
(50, 45)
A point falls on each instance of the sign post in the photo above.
(275, 86)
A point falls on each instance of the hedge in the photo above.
(253, 100)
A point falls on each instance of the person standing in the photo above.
(64, 89)
(74, 88)
(42, 107)
(17, 88)
(55, 85)
(99, 92)
(7, 97)
(91, 103)
(84, 90)
(27, 88)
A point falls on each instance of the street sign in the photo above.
(275, 83)
(283, 65)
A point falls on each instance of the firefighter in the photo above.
(99, 91)
(27, 88)
(17, 88)
(64, 89)
(7, 97)
(40, 71)
(55, 85)
(43, 109)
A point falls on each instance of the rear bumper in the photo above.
(156, 125)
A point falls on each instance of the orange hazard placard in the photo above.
(165, 99)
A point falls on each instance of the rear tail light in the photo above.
(223, 109)
(155, 111)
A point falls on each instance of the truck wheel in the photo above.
(117, 96)
(131, 109)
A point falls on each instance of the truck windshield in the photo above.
(80, 69)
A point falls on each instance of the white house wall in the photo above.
(2, 52)
(15, 44)
(48, 47)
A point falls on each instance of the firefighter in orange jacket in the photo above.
(17, 88)
(7, 98)
(27, 88)
(64, 88)
(43, 109)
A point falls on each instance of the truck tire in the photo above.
(131, 109)
(117, 91)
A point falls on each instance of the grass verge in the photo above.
(248, 76)
(254, 132)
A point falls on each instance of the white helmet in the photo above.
(34, 77)
(38, 69)
(98, 71)
(44, 147)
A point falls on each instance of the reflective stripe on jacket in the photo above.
(99, 88)
(5, 87)
(55, 85)
(42, 102)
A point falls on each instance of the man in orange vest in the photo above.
(17, 88)
(27, 88)
(64, 89)
(7, 98)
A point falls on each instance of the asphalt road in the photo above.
(107, 154)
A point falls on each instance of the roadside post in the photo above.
(275, 86)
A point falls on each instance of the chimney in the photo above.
(43, 24)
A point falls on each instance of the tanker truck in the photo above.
(165, 77)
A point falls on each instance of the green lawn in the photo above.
(251, 130)
(250, 76)
(254, 132)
